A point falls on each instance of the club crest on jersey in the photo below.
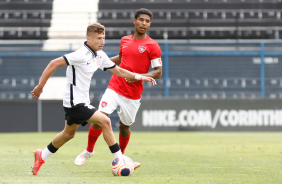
(99, 60)
(104, 104)
(141, 48)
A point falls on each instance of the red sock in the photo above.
(123, 141)
(93, 135)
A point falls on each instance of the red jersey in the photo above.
(136, 56)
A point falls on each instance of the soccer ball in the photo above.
(122, 166)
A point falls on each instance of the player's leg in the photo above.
(94, 133)
(64, 136)
(59, 140)
(124, 136)
(107, 106)
(127, 114)
(105, 122)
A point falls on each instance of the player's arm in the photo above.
(120, 72)
(156, 73)
(49, 70)
(116, 59)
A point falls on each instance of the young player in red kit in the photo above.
(137, 53)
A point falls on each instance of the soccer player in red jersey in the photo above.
(137, 53)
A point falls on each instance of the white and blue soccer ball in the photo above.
(122, 166)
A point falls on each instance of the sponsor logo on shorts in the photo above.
(160, 60)
(104, 104)
(89, 106)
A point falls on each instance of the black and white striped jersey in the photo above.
(82, 64)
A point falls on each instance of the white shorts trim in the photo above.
(128, 108)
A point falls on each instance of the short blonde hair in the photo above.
(95, 28)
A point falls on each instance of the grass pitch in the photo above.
(166, 157)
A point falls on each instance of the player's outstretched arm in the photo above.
(156, 73)
(120, 72)
(49, 70)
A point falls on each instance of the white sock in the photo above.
(46, 153)
(117, 154)
(89, 152)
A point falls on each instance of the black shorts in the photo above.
(79, 114)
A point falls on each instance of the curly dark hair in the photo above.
(143, 11)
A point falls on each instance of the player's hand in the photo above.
(149, 79)
(36, 92)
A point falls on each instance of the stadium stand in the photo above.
(29, 27)
(25, 19)
(197, 19)
(186, 19)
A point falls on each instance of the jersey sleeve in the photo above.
(74, 58)
(155, 55)
(106, 62)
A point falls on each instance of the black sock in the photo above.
(114, 148)
(51, 148)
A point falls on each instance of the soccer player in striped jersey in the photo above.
(81, 66)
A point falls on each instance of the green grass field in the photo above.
(178, 157)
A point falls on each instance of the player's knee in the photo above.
(123, 127)
(69, 136)
(96, 126)
(124, 130)
(106, 122)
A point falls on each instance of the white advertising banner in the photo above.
(210, 115)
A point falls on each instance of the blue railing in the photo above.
(262, 71)
(262, 53)
(188, 49)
